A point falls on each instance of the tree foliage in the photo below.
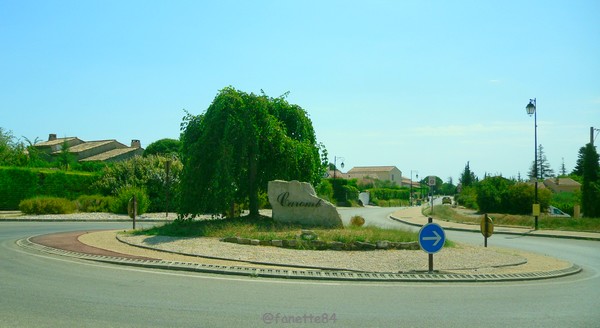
(240, 143)
(544, 170)
(467, 178)
(164, 147)
(149, 173)
(590, 190)
(501, 195)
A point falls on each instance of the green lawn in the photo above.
(545, 222)
(265, 228)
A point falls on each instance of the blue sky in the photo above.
(422, 85)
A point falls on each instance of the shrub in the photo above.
(325, 190)
(468, 198)
(94, 203)
(149, 172)
(120, 202)
(357, 221)
(47, 205)
(18, 183)
(344, 191)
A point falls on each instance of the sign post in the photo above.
(432, 182)
(487, 228)
(431, 240)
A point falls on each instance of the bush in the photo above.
(47, 205)
(357, 221)
(94, 203)
(17, 184)
(344, 192)
(467, 198)
(120, 202)
(149, 172)
(325, 190)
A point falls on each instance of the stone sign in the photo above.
(297, 202)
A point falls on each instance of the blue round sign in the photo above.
(431, 238)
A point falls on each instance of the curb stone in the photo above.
(331, 275)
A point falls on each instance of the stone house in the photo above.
(384, 173)
(100, 150)
(558, 185)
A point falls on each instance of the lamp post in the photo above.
(335, 158)
(531, 110)
(411, 186)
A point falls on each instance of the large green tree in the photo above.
(240, 143)
(544, 170)
(164, 147)
(590, 190)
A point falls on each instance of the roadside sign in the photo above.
(432, 180)
(536, 210)
(431, 238)
(487, 229)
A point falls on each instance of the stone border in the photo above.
(325, 275)
(323, 245)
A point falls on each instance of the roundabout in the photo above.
(45, 290)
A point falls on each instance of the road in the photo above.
(47, 291)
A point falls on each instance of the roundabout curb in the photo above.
(324, 275)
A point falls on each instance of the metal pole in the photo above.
(134, 210)
(334, 165)
(536, 160)
(430, 220)
(167, 169)
(485, 229)
(411, 194)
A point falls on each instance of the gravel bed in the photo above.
(461, 257)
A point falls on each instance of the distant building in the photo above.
(384, 173)
(85, 151)
(559, 185)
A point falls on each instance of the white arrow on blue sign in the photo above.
(432, 238)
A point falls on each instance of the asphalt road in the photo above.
(48, 291)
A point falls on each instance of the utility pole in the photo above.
(592, 137)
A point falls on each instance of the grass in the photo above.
(265, 228)
(545, 222)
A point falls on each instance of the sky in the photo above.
(425, 86)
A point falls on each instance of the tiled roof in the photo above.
(109, 154)
(57, 141)
(91, 144)
(371, 169)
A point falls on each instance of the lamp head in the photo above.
(531, 107)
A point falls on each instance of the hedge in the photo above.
(17, 184)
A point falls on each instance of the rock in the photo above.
(383, 244)
(318, 244)
(335, 245)
(292, 243)
(230, 239)
(365, 246)
(408, 245)
(265, 243)
(254, 242)
(297, 202)
(244, 241)
(308, 235)
(277, 243)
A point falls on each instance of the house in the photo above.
(384, 173)
(558, 185)
(86, 151)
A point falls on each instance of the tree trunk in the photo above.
(252, 183)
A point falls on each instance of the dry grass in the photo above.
(448, 213)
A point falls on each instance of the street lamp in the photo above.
(335, 158)
(411, 186)
(531, 110)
